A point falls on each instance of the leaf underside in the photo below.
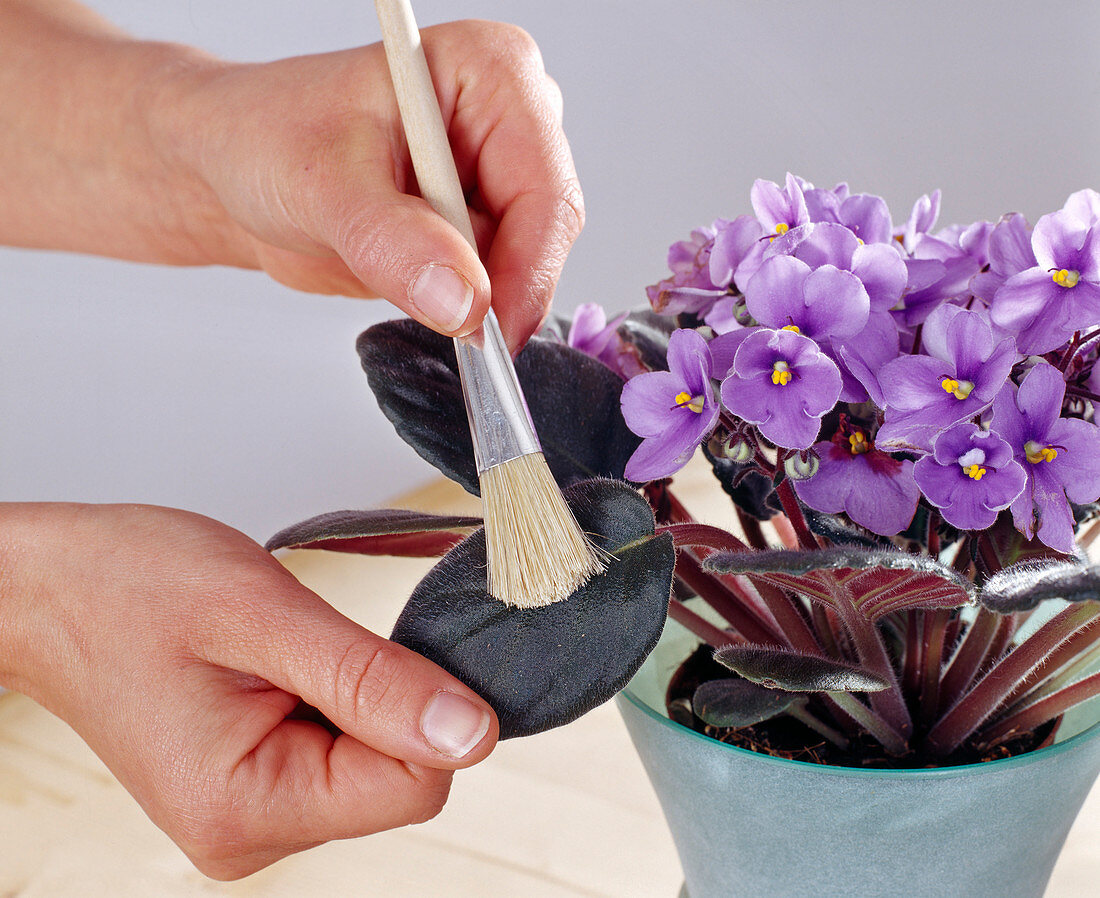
(877, 582)
(543, 667)
(387, 531)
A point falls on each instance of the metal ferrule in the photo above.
(499, 420)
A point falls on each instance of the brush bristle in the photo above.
(537, 552)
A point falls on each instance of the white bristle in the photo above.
(537, 552)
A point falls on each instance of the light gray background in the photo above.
(222, 392)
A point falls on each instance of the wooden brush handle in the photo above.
(499, 420)
(424, 129)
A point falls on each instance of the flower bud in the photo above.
(737, 449)
(802, 465)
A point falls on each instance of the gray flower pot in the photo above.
(747, 824)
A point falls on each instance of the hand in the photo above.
(307, 158)
(199, 669)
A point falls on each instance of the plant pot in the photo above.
(747, 824)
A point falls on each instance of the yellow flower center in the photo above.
(781, 374)
(974, 472)
(791, 327)
(685, 400)
(1037, 453)
(782, 228)
(1066, 278)
(960, 389)
(859, 443)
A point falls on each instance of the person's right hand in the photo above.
(305, 163)
(248, 718)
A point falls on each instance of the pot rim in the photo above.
(1001, 764)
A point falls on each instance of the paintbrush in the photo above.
(537, 553)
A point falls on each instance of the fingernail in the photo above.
(443, 296)
(452, 724)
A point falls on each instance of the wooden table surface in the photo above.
(565, 813)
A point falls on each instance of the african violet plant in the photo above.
(912, 412)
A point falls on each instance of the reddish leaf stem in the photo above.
(1029, 716)
(713, 636)
(969, 656)
(793, 510)
(990, 691)
(723, 600)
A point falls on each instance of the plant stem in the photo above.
(1000, 680)
(793, 510)
(722, 599)
(968, 657)
(891, 739)
(1034, 714)
(890, 702)
(802, 714)
(935, 626)
(691, 533)
(788, 617)
(754, 536)
(704, 629)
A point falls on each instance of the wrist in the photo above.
(200, 231)
(20, 591)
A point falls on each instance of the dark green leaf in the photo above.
(386, 531)
(797, 671)
(739, 703)
(573, 399)
(543, 667)
(1024, 585)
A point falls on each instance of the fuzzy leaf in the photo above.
(750, 490)
(573, 399)
(644, 335)
(1024, 585)
(878, 581)
(831, 527)
(385, 531)
(543, 667)
(797, 671)
(738, 702)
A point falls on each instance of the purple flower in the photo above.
(921, 219)
(865, 215)
(673, 411)
(941, 268)
(874, 489)
(690, 288)
(1010, 253)
(1059, 455)
(878, 266)
(592, 335)
(959, 376)
(1045, 304)
(970, 476)
(778, 209)
(783, 383)
(820, 302)
(734, 241)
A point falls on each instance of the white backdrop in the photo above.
(219, 391)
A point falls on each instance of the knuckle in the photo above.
(571, 207)
(366, 678)
(514, 45)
